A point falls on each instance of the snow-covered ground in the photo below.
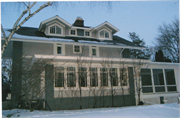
(149, 111)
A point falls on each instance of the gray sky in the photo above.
(142, 17)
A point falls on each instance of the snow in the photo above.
(147, 111)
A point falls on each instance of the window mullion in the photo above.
(165, 84)
(152, 80)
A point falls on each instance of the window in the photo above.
(71, 77)
(87, 33)
(104, 76)
(55, 29)
(113, 77)
(77, 49)
(146, 80)
(82, 77)
(73, 32)
(170, 80)
(94, 51)
(123, 76)
(93, 77)
(104, 34)
(59, 77)
(59, 49)
(158, 80)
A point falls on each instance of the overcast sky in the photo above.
(142, 17)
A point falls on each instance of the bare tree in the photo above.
(32, 86)
(168, 40)
(21, 20)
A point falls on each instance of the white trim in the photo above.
(81, 28)
(93, 59)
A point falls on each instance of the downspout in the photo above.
(121, 52)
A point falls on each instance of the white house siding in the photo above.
(154, 98)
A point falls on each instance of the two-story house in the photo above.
(86, 67)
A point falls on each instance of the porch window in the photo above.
(123, 76)
(93, 77)
(158, 80)
(146, 80)
(170, 80)
(59, 77)
(71, 77)
(104, 76)
(83, 77)
(113, 77)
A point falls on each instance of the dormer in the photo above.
(105, 31)
(54, 26)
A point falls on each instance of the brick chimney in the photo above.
(79, 22)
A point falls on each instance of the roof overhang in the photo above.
(113, 28)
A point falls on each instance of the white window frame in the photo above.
(105, 30)
(73, 34)
(79, 49)
(62, 49)
(97, 51)
(55, 24)
(85, 33)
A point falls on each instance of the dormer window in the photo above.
(73, 32)
(104, 34)
(55, 29)
(87, 33)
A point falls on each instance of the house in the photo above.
(77, 66)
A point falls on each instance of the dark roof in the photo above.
(30, 31)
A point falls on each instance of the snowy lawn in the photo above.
(149, 111)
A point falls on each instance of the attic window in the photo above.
(87, 33)
(104, 34)
(55, 30)
(73, 32)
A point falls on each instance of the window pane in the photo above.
(114, 77)
(87, 33)
(123, 76)
(58, 50)
(171, 88)
(94, 52)
(160, 89)
(158, 77)
(52, 30)
(102, 34)
(146, 77)
(170, 78)
(73, 32)
(76, 48)
(59, 77)
(71, 77)
(104, 76)
(106, 34)
(147, 89)
(58, 30)
(93, 77)
(83, 77)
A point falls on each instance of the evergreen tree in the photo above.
(137, 53)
